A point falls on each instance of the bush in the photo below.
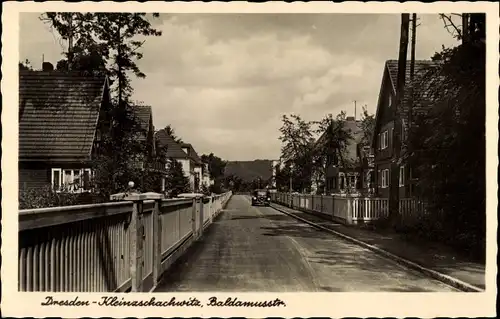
(42, 197)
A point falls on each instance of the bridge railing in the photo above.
(109, 247)
(352, 209)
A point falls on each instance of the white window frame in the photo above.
(59, 179)
(384, 140)
(385, 178)
(62, 172)
(402, 176)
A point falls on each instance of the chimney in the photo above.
(47, 66)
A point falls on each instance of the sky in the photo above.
(223, 81)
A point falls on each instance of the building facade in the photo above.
(63, 117)
(386, 116)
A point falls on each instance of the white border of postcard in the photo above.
(19, 304)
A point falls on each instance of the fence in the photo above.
(110, 247)
(352, 209)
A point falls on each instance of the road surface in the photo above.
(262, 250)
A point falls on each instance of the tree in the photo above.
(283, 175)
(84, 60)
(297, 150)
(367, 125)
(25, 66)
(176, 182)
(77, 29)
(171, 132)
(111, 38)
(332, 145)
(448, 146)
(216, 165)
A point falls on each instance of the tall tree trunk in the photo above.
(396, 142)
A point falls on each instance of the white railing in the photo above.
(352, 209)
(110, 247)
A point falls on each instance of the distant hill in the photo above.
(250, 170)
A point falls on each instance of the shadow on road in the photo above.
(276, 217)
(376, 268)
(295, 230)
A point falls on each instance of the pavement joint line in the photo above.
(454, 282)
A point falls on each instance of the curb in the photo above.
(456, 283)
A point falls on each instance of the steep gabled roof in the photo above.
(390, 76)
(143, 116)
(192, 153)
(58, 114)
(174, 149)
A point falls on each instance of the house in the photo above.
(195, 166)
(275, 165)
(185, 154)
(384, 128)
(62, 119)
(142, 117)
(346, 174)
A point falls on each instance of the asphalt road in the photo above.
(260, 249)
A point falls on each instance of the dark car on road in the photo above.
(261, 197)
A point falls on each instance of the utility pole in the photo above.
(355, 110)
(412, 73)
(465, 27)
(70, 42)
(396, 141)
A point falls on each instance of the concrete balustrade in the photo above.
(111, 247)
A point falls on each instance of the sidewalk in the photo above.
(436, 257)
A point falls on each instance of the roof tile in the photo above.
(174, 149)
(58, 113)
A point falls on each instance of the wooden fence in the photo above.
(352, 209)
(110, 247)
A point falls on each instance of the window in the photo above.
(351, 181)
(384, 140)
(390, 100)
(56, 178)
(342, 181)
(385, 178)
(71, 180)
(402, 178)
